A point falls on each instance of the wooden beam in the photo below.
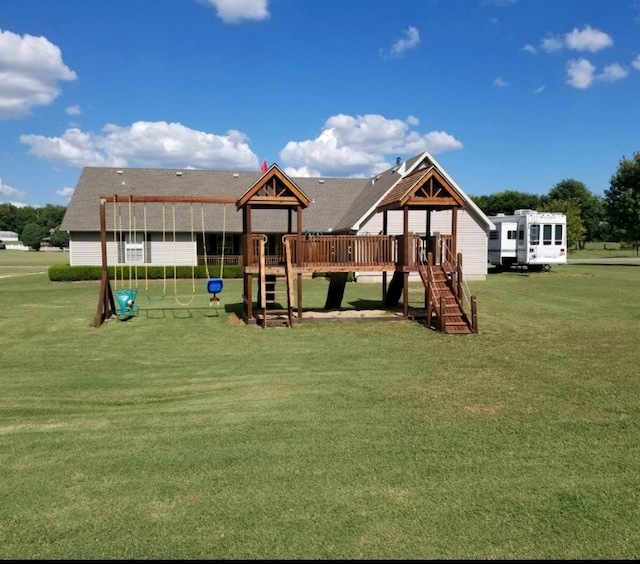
(168, 199)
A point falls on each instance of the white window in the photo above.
(133, 248)
(534, 233)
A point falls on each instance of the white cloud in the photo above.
(588, 39)
(146, 144)
(636, 63)
(74, 110)
(530, 49)
(30, 70)
(539, 89)
(411, 41)
(357, 146)
(551, 44)
(501, 82)
(10, 193)
(235, 11)
(580, 73)
(66, 192)
(613, 73)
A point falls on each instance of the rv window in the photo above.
(546, 234)
(521, 234)
(493, 234)
(558, 234)
(535, 234)
(511, 234)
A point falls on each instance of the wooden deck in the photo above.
(342, 253)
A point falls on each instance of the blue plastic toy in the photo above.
(126, 301)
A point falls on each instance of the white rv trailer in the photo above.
(528, 238)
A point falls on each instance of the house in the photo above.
(186, 234)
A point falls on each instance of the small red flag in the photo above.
(264, 166)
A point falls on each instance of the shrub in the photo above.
(67, 273)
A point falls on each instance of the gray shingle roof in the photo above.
(337, 204)
(329, 197)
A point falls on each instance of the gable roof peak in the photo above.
(274, 189)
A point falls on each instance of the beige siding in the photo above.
(472, 238)
(84, 249)
(472, 242)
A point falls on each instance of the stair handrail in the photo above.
(435, 297)
(461, 291)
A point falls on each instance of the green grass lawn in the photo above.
(183, 433)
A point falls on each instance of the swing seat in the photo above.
(214, 286)
(126, 301)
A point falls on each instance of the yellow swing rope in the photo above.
(134, 241)
(175, 268)
(164, 250)
(164, 246)
(224, 235)
(204, 242)
(125, 248)
(146, 263)
(115, 242)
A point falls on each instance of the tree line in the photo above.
(34, 225)
(614, 217)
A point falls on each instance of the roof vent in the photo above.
(178, 173)
(235, 175)
(119, 171)
(320, 180)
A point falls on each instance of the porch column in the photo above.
(454, 232)
(248, 258)
(385, 225)
(405, 261)
(298, 251)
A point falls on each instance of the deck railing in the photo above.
(342, 251)
(363, 251)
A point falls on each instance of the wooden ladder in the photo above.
(443, 302)
(270, 292)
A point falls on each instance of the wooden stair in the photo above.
(276, 291)
(443, 302)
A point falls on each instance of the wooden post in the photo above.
(454, 231)
(474, 314)
(106, 303)
(385, 225)
(248, 252)
(459, 277)
(299, 257)
(429, 294)
(405, 265)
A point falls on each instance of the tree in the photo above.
(622, 201)
(589, 206)
(8, 217)
(507, 202)
(50, 216)
(575, 227)
(32, 235)
(25, 215)
(59, 238)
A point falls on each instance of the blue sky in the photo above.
(507, 94)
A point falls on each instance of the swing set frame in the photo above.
(106, 300)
